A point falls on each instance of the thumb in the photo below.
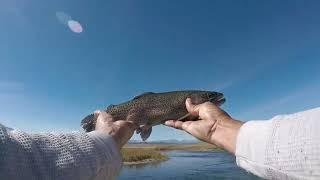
(133, 126)
(192, 109)
(102, 116)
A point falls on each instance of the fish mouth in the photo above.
(217, 99)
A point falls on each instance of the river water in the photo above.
(189, 165)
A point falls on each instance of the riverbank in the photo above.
(192, 165)
(134, 154)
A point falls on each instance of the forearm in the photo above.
(55, 156)
(226, 132)
(284, 147)
(110, 160)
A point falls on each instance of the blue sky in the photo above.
(263, 55)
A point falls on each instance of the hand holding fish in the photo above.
(120, 130)
(215, 126)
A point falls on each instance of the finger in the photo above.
(174, 124)
(186, 124)
(133, 126)
(193, 109)
(105, 117)
(96, 114)
(169, 123)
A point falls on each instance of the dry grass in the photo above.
(140, 154)
(170, 147)
(190, 147)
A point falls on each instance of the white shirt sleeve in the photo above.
(285, 147)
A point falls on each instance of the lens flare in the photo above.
(75, 26)
(67, 20)
(63, 18)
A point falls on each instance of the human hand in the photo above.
(215, 126)
(120, 130)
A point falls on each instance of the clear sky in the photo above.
(263, 55)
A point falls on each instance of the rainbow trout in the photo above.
(151, 109)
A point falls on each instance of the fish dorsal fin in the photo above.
(143, 94)
(110, 106)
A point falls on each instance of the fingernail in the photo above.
(96, 113)
(189, 101)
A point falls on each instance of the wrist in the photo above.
(117, 140)
(226, 133)
(112, 134)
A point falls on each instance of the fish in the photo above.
(150, 109)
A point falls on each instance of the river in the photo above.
(189, 165)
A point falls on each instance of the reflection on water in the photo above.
(141, 166)
(189, 165)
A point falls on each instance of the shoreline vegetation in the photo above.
(135, 154)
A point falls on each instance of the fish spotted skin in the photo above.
(150, 109)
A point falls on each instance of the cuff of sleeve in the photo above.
(108, 149)
(251, 146)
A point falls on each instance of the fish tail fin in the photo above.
(89, 123)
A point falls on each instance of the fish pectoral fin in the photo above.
(145, 133)
(184, 117)
(189, 116)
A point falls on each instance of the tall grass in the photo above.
(191, 147)
(136, 153)
(140, 154)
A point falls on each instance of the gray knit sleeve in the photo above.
(57, 156)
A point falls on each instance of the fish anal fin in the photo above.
(139, 130)
(145, 133)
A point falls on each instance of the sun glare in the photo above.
(75, 26)
(67, 20)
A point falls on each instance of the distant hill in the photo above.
(167, 141)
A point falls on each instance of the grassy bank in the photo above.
(187, 147)
(170, 147)
(141, 155)
(145, 153)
